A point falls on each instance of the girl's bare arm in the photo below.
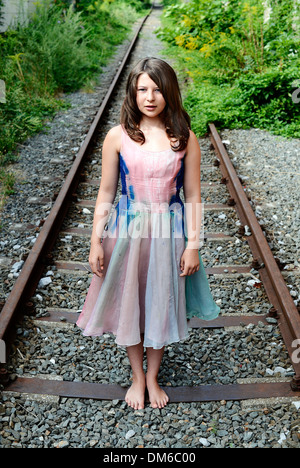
(192, 192)
(106, 196)
(189, 262)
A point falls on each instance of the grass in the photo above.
(7, 181)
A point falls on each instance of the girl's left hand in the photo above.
(189, 262)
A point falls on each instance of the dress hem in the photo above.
(113, 335)
(191, 315)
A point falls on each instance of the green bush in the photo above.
(37, 62)
(60, 50)
(60, 43)
(241, 65)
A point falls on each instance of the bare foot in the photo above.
(135, 396)
(158, 398)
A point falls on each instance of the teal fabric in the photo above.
(198, 296)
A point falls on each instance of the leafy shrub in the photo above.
(58, 51)
(61, 49)
(60, 43)
(241, 60)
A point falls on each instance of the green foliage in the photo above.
(35, 66)
(61, 49)
(86, 6)
(63, 52)
(241, 60)
(8, 180)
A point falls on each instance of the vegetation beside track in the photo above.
(241, 62)
(61, 49)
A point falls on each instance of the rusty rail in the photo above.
(284, 307)
(203, 393)
(27, 281)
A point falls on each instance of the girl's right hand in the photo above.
(96, 259)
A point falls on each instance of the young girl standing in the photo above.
(148, 273)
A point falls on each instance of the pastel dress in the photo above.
(142, 291)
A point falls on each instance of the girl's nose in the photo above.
(150, 96)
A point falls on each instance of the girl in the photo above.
(148, 273)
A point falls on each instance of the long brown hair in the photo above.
(176, 119)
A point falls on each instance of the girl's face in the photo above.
(149, 98)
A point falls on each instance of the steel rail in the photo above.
(276, 288)
(203, 393)
(27, 281)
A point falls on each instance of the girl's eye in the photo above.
(157, 90)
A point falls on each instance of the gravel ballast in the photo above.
(269, 167)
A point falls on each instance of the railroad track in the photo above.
(73, 196)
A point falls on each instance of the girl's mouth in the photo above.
(150, 107)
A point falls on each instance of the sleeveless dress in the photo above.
(142, 290)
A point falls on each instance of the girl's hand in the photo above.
(189, 262)
(96, 259)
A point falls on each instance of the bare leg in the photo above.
(158, 398)
(135, 396)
